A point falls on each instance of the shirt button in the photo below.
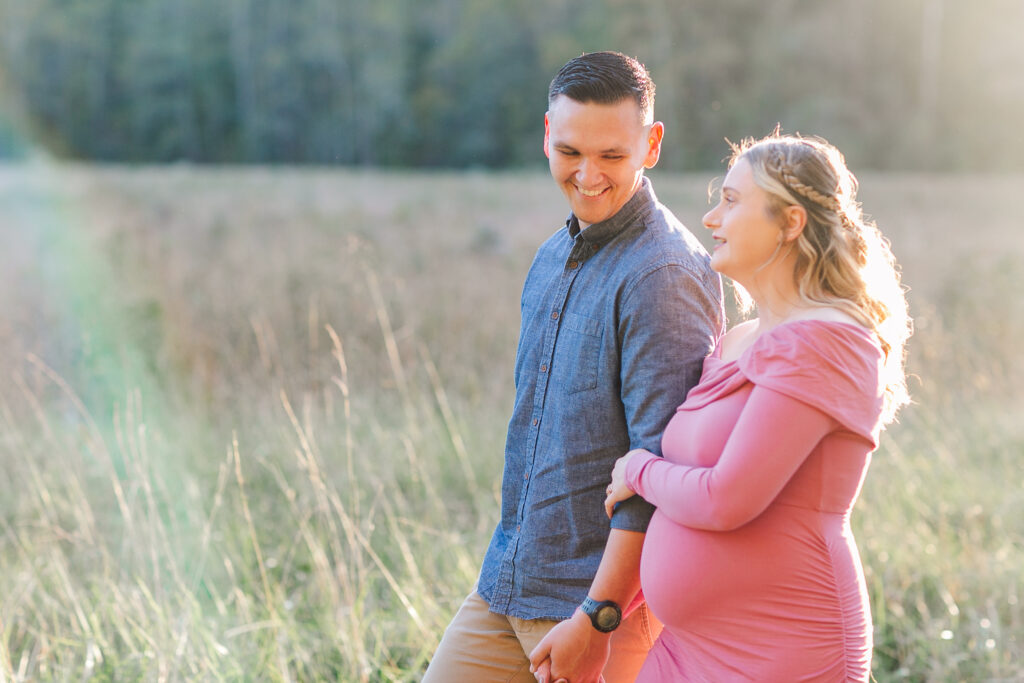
(526, 476)
(519, 527)
(544, 368)
(554, 315)
(535, 421)
(573, 264)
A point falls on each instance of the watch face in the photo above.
(607, 617)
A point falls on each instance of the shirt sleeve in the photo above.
(671, 319)
(773, 436)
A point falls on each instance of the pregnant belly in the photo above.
(788, 564)
(783, 589)
(686, 573)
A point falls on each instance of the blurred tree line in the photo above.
(919, 84)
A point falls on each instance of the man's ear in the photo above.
(794, 221)
(654, 138)
(547, 135)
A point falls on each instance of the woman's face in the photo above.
(747, 234)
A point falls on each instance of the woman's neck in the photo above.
(777, 300)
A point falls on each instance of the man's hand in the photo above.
(573, 650)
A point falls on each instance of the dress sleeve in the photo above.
(671, 319)
(773, 436)
(835, 367)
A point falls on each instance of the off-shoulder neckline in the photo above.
(717, 353)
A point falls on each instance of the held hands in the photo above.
(618, 491)
(572, 651)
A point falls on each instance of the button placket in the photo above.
(550, 339)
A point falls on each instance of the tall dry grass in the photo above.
(251, 420)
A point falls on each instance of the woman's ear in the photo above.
(794, 221)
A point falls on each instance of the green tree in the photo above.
(912, 84)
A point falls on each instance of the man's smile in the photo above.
(590, 193)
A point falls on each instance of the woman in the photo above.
(749, 560)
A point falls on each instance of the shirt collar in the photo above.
(599, 234)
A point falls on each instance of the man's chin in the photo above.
(587, 214)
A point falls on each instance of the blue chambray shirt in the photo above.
(616, 322)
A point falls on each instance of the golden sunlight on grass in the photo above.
(252, 420)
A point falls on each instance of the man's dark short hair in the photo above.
(604, 78)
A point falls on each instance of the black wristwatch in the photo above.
(605, 615)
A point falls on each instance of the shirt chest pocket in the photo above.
(578, 353)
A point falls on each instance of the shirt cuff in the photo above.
(632, 514)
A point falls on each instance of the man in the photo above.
(618, 311)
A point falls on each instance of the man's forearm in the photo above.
(618, 575)
(574, 649)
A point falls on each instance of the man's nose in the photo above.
(587, 172)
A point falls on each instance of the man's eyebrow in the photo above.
(610, 150)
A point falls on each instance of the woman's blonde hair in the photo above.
(842, 259)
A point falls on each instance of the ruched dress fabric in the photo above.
(749, 559)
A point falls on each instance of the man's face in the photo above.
(598, 153)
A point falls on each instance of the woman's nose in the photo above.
(710, 219)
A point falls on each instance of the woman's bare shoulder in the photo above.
(829, 314)
(738, 338)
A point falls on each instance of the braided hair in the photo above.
(842, 259)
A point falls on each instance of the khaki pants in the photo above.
(493, 648)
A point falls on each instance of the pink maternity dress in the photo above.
(749, 559)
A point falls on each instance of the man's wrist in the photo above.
(604, 615)
(585, 625)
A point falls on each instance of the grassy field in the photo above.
(251, 420)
